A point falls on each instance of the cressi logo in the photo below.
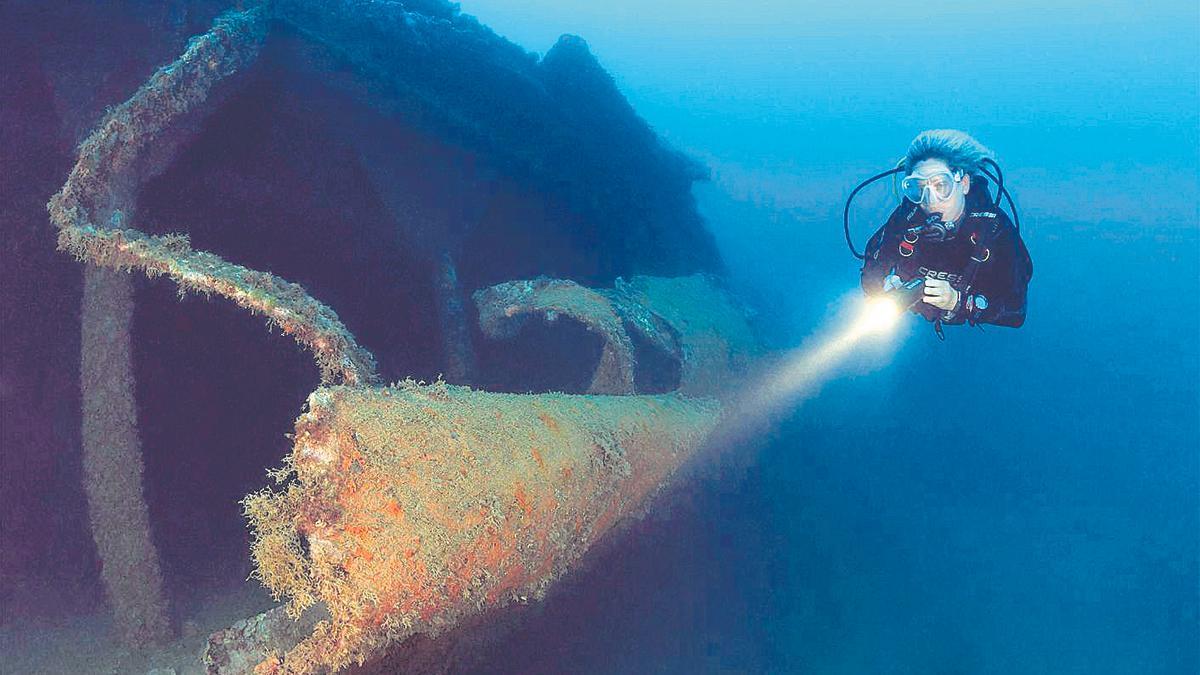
(934, 274)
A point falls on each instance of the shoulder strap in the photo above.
(981, 252)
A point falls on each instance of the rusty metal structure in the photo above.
(407, 510)
(505, 307)
(417, 505)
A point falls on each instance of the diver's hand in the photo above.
(940, 294)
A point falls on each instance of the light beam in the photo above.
(800, 374)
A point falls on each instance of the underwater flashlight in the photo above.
(882, 312)
(879, 315)
(907, 294)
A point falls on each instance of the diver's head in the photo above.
(938, 188)
(938, 168)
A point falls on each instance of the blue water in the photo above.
(1006, 501)
(1009, 501)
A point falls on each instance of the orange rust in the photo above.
(606, 519)
(469, 558)
(497, 546)
(493, 551)
(271, 666)
(437, 511)
(349, 455)
(408, 511)
(428, 610)
(474, 517)
(523, 499)
(348, 496)
(419, 570)
(550, 422)
(454, 586)
(545, 568)
(512, 579)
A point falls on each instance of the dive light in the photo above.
(881, 312)
(908, 293)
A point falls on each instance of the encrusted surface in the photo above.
(504, 306)
(416, 505)
(411, 506)
(88, 210)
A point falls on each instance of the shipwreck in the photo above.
(409, 512)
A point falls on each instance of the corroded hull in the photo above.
(415, 506)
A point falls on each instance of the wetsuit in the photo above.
(997, 293)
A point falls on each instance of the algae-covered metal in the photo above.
(407, 509)
(416, 505)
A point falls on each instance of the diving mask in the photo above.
(940, 186)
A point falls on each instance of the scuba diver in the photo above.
(948, 240)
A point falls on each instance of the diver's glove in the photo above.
(940, 294)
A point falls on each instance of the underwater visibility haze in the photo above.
(619, 224)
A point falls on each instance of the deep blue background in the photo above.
(1006, 501)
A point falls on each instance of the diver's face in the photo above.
(952, 206)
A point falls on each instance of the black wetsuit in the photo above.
(1000, 280)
